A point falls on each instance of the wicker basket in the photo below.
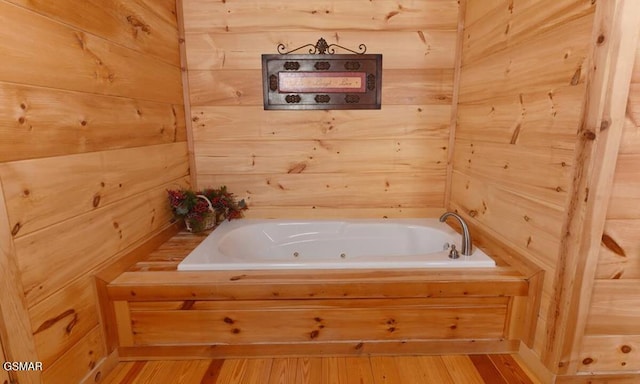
(209, 221)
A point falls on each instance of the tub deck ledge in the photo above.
(153, 311)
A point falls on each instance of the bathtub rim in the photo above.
(438, 260)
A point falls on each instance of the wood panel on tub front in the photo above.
(284, 313)
(159, 312)
(276, 158)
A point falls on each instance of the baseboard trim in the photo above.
(381, 348)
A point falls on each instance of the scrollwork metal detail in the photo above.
(293, 99)
(291, 65)
(352, 99)
(321, 47)
(352, 65)
(371, 82)
(322, 65)
(322, 98)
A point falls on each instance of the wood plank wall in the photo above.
(92, 133)
(373, 163)
(4, 375)
(612, 337)
(521, 96)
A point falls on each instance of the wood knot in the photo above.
(228, 320)
(601, 39)
(16, 229)
(473, 213)
(589, 135)
(297, 168)
(611, 244)
(314, 334)
(96, 201)
(575, 79)
(137, 23)
(587, 361)
(71, 324)
(625, 349)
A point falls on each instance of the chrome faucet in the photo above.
(466, 236)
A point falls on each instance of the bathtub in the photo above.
(250, 244)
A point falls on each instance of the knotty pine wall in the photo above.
(520, 101)
(372, 163)
(612, 335)
(4, 375)
(523, 156)
(92, 133)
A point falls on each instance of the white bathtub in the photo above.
(248, 244)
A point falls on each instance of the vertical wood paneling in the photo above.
(520, 103)
(616, 30)
(550, 79)
(92, 128)
(299, 161)
(612, 334)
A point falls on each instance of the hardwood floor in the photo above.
(451, 369)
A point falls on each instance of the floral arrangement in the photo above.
(202, 210)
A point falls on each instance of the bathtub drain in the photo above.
(343, 255)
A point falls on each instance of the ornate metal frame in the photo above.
(322, 79)
(321, 47)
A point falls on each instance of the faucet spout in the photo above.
(465, 247)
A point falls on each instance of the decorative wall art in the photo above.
(322, 79)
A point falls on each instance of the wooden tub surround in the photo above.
(152, 311)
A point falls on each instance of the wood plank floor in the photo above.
(454, 369)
